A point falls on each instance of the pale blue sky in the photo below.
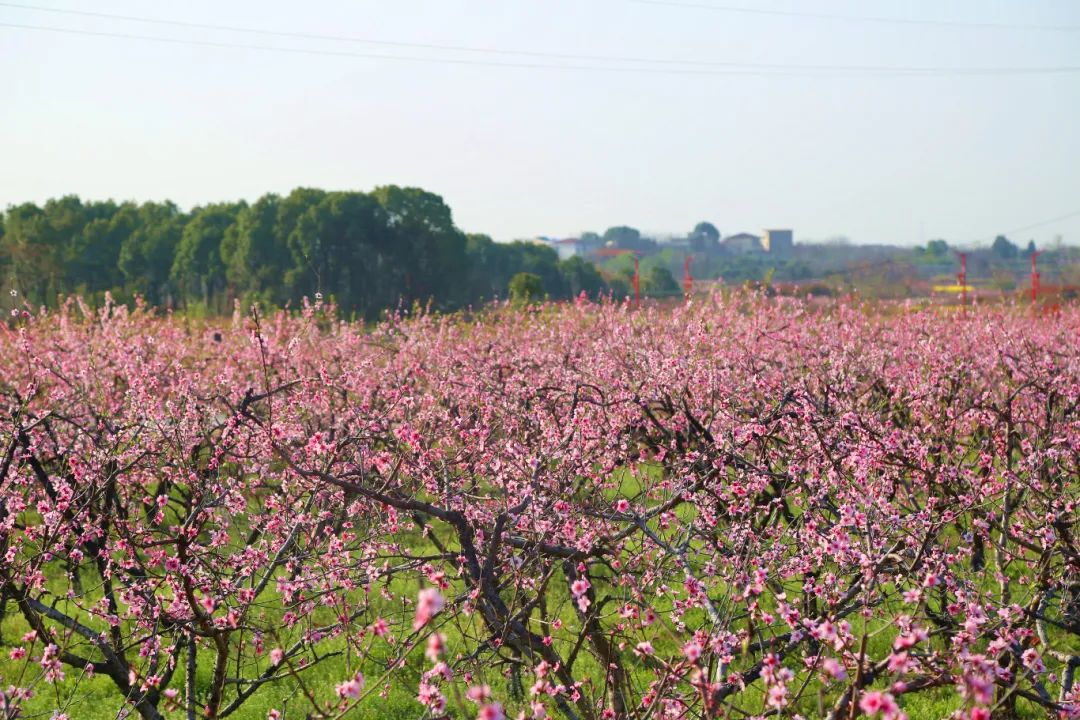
(519, 152)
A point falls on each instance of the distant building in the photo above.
(778, 241)
(742, 244)
(680, 242)
(567, 248)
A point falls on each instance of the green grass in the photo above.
(97, 698)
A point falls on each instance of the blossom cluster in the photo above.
(741, 507)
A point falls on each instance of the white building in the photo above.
(742, 244)
(567, 247)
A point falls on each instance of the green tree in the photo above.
(343, 247)
(31, 253)
(580, 276)
(485, 259)
(543, 261)
(621, 265)
(1004, 248)
(296, 280)
(938, 248)
(425, 242)
(659, 282)
(198, 271)
(627, 238)
(367, 251)
(93, 254)
(619, 287)
(704, 237)
(255, 254)
(146, 255)
(622, 236)
(526, 288)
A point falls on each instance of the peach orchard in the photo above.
(746, 507)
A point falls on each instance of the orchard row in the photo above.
(744, 507)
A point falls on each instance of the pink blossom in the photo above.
(872, 702)
(436, 645)
(801, 469)
(430, 697)
(777, 696)
(1032, 661)
(428, 603)
(351, 688)
(834, 669)
(898, 662)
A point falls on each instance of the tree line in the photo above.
(368, 251)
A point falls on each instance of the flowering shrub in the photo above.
(743, 507)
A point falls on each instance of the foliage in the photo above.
(939, 248)
(1004, 248)
(741, 507)
(660, 283)
(369, 251)
(628, 238)
(581, 276)
(526, 288)
(704, 237)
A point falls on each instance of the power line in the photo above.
(1029, 226)
(857, 18)
(467, 49)
(1040, 223)
(369, 56)
(729, 69)
(333, 38)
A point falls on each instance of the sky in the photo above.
(530, 141)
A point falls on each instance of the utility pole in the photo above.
(637, 284)
(962, 278)
(1034, 277)
(688, 279)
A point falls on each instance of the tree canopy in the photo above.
(526, 288)
(704, 236)
(367, 251)
(1004, 248)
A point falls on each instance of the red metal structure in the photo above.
(688, 279)
(962, 278)
(1034, 278)
(637, 284)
